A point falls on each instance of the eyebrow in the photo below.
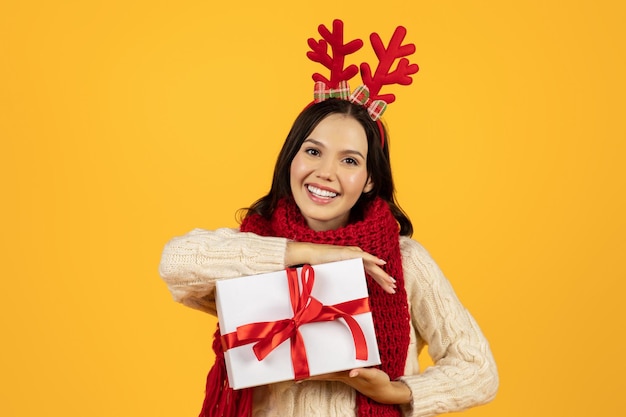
(347, 151)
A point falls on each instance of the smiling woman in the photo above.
(329, 201)
(332, 198)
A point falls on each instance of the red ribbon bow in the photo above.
(307, 309)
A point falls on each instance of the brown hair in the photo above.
(378, 164)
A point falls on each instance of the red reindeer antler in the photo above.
(319, 53)
(386, 57)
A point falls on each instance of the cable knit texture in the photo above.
(464, 374)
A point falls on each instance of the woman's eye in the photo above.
(351, 161)
(311, 151)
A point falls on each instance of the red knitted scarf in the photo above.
(378, 234)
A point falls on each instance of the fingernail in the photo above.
(393, 279)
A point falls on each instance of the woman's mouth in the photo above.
(318, 192)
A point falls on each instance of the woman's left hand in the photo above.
(372, 383)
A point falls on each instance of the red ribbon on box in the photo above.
(268, 335)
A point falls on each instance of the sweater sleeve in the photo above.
(190, 264)
(464, 372)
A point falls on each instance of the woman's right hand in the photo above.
(298, 253)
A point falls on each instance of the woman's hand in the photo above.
(372, 383)
(311, 253)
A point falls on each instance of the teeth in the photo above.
(321, 193)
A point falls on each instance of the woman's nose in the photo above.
(326, 170)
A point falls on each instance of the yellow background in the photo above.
(125, 123)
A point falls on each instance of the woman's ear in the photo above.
(369, 185)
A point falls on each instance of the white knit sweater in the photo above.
(464, 374)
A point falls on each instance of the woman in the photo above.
(332, 198)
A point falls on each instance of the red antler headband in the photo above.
(367, 94)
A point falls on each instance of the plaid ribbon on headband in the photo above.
(375, 108)
(323, 92)
(361, 95)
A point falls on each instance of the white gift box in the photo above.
(329, 345)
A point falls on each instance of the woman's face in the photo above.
(329, 172)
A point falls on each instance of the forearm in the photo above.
(399, 393)
(297, 253)
(190, 264)
(465, 378)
